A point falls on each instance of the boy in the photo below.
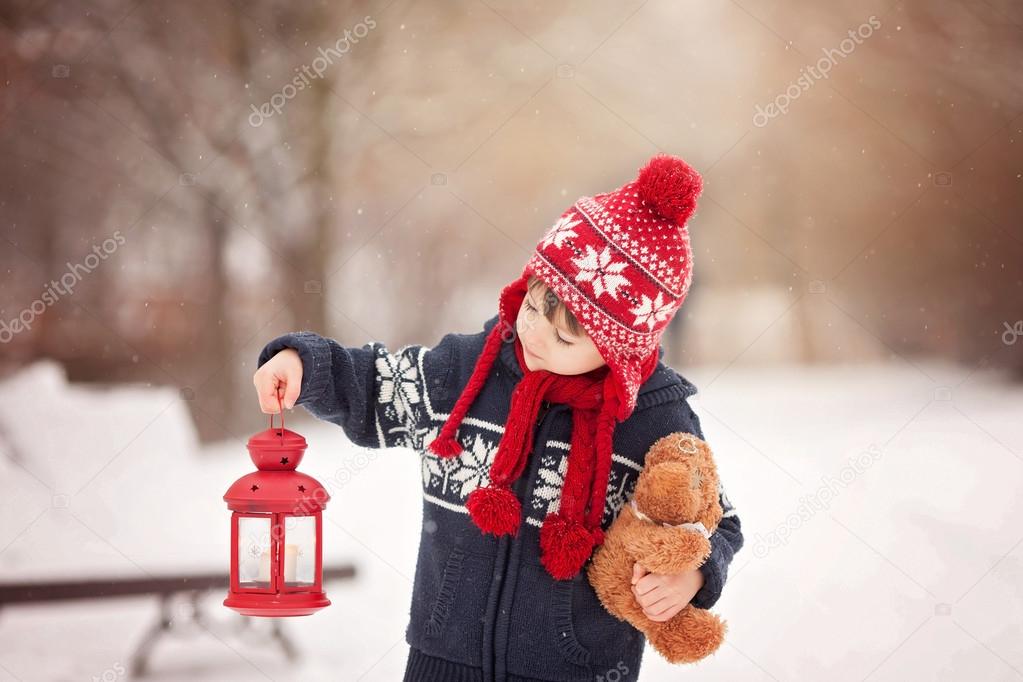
(571, 363)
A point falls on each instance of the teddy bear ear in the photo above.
(675, 446)
(663, 450)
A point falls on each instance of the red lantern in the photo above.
(276, 530)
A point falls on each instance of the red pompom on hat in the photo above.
(671, 186)
(622, 263)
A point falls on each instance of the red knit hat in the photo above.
(622, 264)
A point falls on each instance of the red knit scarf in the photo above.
(568, 536)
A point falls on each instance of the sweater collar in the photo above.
(663, 377)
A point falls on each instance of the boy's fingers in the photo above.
(637, 572)
(663, 615)
(291, 393)
(641, 588)
(661, 607)
(273, 382)
(268, 396)
(260, 384)
(277, 397)
(267, 404)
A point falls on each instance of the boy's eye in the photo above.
(557, 336)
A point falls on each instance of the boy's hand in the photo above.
(662, 596)
(282, 371)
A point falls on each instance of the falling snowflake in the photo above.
(651, 312)
(601, 271)
(399, 386)
(561, 231)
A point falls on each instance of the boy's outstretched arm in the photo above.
(375, 395)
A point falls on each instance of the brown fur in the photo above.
(678, 484)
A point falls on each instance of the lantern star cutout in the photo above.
(284, 460)
(301, 488)
(254, 487)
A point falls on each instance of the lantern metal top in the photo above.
(277, 491)
(277, 449)
(276, 486)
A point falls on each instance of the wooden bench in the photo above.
(193, 586)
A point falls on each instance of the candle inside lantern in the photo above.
(290, 560)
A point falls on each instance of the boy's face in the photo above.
(552, 346)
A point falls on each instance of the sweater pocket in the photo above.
(448, 589)
(560, 630)
(448, 605)
(615, 647)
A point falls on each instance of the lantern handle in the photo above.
(280, 405)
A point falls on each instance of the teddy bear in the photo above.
(666, 528)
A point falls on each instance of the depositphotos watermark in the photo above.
(307, 72)
(615, 674)
(809, 75)
(115, 672)
(62, 287)
(1012, 332)
(820, 500)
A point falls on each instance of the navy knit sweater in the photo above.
(484, 608)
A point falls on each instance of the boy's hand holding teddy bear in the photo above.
(665, 528)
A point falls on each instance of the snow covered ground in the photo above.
(882, 507)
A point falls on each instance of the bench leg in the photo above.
(140, 657)
(282, 638)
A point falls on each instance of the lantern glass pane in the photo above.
(254, 552)
(299, 551)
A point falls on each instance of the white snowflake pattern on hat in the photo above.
(561, 231)
(651, 312)
(604, 274)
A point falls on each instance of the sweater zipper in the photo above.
(523, 490)
(544, 408)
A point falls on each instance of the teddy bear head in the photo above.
(679, 482)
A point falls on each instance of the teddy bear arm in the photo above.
(670, 550)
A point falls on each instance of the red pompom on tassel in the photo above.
(495, 510)
(564, 546)
(445, 446)
(671, 185)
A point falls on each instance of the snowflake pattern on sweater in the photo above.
(546, 497)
